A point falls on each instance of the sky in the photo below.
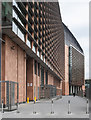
(75, 15)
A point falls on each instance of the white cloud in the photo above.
(74, 1)
(75, 14)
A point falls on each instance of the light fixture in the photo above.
(13, 47)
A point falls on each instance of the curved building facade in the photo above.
(74, 64)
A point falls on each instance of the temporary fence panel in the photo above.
(9, 94)
(47, 91)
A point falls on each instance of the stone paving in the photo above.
(43, 109)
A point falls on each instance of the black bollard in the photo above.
(34, 112)
(52, 112)
(87, 107)
(69, 112)
(2, 107)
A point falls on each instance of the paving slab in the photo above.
(43, 109)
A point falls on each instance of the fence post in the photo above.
(18, 106)
(52, 112)
(2, 107)
(87, 108)
(69, 112)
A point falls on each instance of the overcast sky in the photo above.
(75, 14)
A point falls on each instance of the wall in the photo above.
(14, 66)
(36, 82)
(66, 70)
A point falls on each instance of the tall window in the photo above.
(42, 77)
(38, 69)
(35, 67)
(46, 78)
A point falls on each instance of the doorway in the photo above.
(29, 78)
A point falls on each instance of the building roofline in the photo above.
(73, 37)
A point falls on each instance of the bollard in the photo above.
(27, 99)
(17, 107)
(2, 107)
(34, 112)
(52, 112)
(69, 112)
(87, 108)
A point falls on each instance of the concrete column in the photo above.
(71, 89)
(78, 88)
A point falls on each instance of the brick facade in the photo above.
(14, 66)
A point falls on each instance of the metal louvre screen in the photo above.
(76, 67)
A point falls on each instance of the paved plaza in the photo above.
(43, 109)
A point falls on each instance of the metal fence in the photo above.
(8, 94)
(49, 91)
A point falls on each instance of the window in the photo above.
(38, 69)
(21, 35)
(14, 3)
(34, 49)
(38, 53)
(35, 67)
(44, 60)
(42, 57)
(14, 28)
(42, 76)
(46, 78)
(28, 43)
(15, 15)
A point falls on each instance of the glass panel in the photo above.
(14, 28)
(34, 49)
(28, 43)
(20, 34)
(14, 14)
(38, 52)
(20, 22)
(46, 78)
(44, 59)
(14, 3)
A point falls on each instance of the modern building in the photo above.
(32, 49)
(74, 64)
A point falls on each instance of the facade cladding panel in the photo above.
(36, 38)
(77, 68)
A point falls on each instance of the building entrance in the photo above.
(29, 78)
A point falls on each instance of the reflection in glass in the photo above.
(34, 49)
(28, 43)
(38, 53)
(14, 28)
(20, 34)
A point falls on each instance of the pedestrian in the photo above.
(74, 94)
